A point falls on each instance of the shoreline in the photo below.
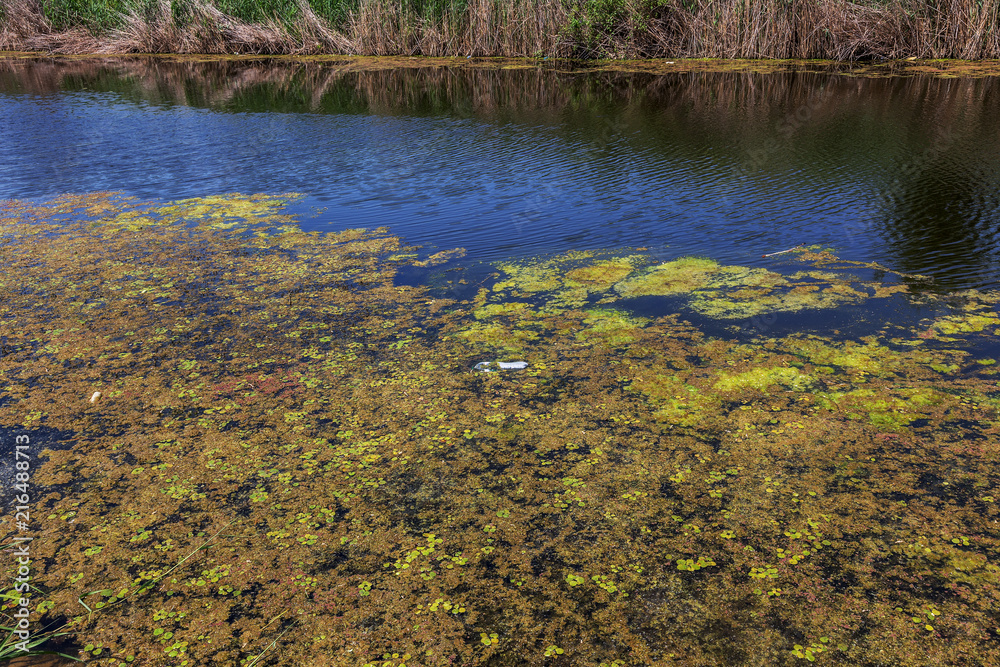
(942, 67)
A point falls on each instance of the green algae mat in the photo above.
(274, 452)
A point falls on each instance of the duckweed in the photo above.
(692, 565)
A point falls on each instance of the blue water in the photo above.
(906, 174)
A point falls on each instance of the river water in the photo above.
(904, 171)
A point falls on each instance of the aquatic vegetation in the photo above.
(602, 274)
(752, 292)
(500, 338)
(439, 258)
(567, 281)
(810, 652)
(680, 276)
(515, 310)
(692, 565)
(612, 327)
(639, 483)
(761, 379)
(736, 292)
(507, 309)
(970, 321)
(12, 647)
(854, 356)
(676, 402)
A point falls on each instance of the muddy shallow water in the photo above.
(710, 458)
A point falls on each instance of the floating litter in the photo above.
(782, 252)
(491, 366)
(96, 397)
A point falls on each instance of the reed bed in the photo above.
(829, 29)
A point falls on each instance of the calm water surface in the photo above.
(903, 171)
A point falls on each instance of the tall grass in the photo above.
(835, 29)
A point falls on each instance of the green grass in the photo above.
(65, 14)
(101, 16)
(10, 648)
(12, 643)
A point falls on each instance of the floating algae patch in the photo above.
(975, 316)
(680, 276)
(736, 292)
(602, 274)
(748, 299)
(214, 212)
(614, 327)
(566, 280)
(861, 356)
(585, 279)
(676, 402)
(762, 379)
(293, 460)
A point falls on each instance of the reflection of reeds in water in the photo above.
(531, 94)
(835, 29)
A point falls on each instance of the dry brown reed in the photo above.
(829, 29)
(21, 18)
(484, 28)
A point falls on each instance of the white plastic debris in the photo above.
(490, 366)
(96, 397)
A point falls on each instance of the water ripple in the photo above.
(908, 175)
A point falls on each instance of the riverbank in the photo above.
(280, 65)
(620, 29)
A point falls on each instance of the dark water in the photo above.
(903, 171)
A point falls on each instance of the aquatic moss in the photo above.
(856, 356)
(567, 280)
(675, 401)
(602, 274)
(736, 292)
(507, 309)
(613, 327)
(965, 323)
(761, 379)
(441, 257)
(680, 276)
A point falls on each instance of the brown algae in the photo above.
(293, 459)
